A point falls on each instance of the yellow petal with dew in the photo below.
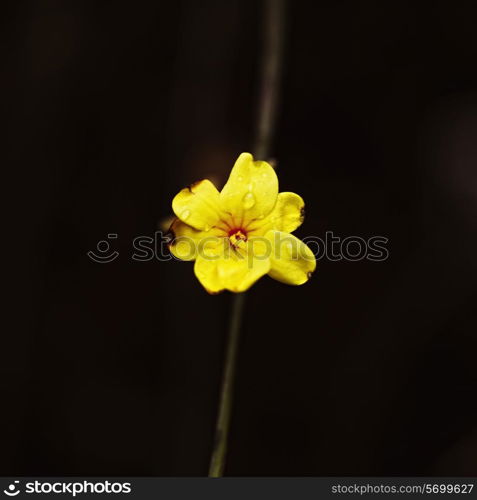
(251, 190)
(206, 271)
(242, 270)
(198, 205)
(235, 269)
(288, 214)
(292, 261)
(186, 243)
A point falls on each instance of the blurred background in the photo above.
(114, 369)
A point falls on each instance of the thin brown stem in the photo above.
(271, 63)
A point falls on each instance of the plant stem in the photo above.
(272, 57)
(273, 20)
(217, 463)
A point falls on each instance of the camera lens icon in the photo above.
(103, 253)
(12, 490)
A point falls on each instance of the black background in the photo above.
(113, 369)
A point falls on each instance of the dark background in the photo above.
(114, 369)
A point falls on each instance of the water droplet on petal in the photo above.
(248, 201)
(240, 178)
(309, 274)
(207, 228)
(185, 214)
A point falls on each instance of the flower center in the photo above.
(236, 236)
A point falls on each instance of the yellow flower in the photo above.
(243, 232)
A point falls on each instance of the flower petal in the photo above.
(235, 269)
(292, 261)
(239, 274)
(288, 214)
(206, 271)
(198, 205)
(251, 190)
(186, 242)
